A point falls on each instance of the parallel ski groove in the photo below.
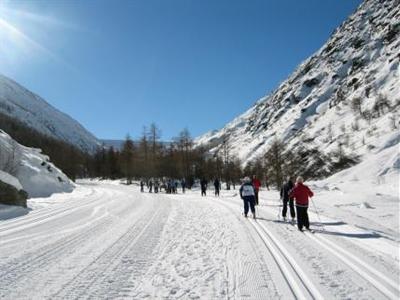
(307, 283)
(280, 255)
(375, 277)
(29, 222)
(132, 235)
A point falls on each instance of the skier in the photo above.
(150, 186)
(285, 191)
(169, 186)
(142, 186)
(176, 186)
(247, 193)
(203, 184)
(183, 184)
(156, 186)
(301, 193)
(217, 186)
(256, 185)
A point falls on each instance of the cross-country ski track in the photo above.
(109, 241)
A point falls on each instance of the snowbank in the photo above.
(34, 171)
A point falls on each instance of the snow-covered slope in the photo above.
(37, 175)
(346, 95)
(18, 102)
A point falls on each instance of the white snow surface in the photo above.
(10, 180)
(34, 171)
(30, 109)
(313, 107)
(109, 241)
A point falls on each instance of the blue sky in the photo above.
(118, 65)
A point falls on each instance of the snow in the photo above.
(30, 109)
(33, 170)
(106, 240)
(10, 180)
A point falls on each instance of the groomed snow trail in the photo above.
(109, 241)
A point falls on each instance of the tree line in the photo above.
(149, 157)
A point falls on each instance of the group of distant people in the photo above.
(296, 195)
(169, 185)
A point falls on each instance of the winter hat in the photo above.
(299, 179)
(247, 179)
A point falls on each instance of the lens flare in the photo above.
(16, 45)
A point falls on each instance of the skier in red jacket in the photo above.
(256, 184)
(301, 193)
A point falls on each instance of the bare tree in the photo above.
(275, 160)
(127, 159)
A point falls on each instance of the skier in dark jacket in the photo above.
(247, 193)
(217, 186)
(285, 191)
(301, 193)
(203, 184)
(156, 186)
(142, 186)
(183, 185)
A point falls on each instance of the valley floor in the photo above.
(107, 240)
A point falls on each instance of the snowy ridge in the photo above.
(347, 94)
(25, 106)
(31, 170)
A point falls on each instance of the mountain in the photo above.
(116, 144)
(343, 99)
(31, 169)
(27, 107)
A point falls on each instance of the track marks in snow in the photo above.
(53, 258)
(115, 271)
(297, 282)
(385, 285)
(201, 257)
(352, 274)
(331, 275)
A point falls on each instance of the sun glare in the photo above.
(16, 45)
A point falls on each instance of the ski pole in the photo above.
(279, 212)
(319, 219)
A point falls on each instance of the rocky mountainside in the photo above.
(23, 105)
(343, 99)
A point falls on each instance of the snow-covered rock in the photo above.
(30, 169)
(32, 110)
(10, 180)
(347, 94)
